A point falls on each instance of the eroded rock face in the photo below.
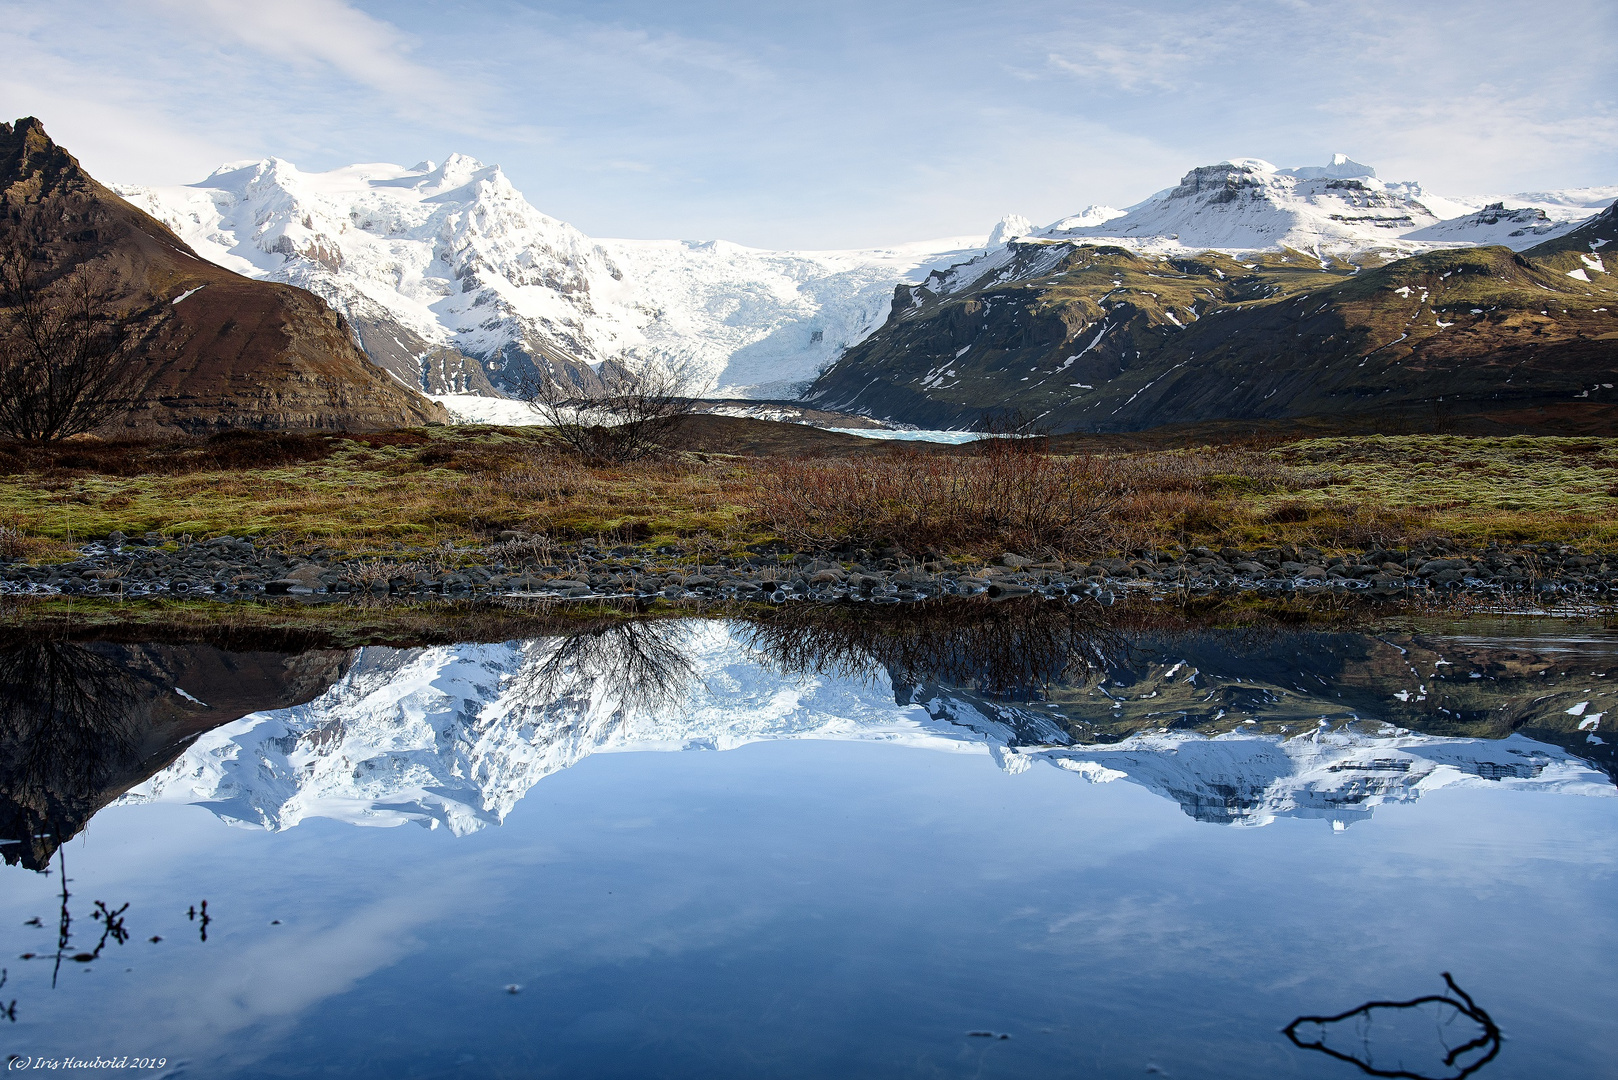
(220, 350)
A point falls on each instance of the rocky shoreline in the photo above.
(236, 568)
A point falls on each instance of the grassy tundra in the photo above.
(443, 487)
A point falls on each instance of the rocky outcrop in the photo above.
(218, 350)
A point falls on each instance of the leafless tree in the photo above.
(622, 416)
(66, 355)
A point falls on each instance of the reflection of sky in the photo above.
(824, 909)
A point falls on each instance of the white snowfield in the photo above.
(453, 255)
(456, 736)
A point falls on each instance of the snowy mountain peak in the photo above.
(1090, 215)
(458, 171)
(445, 259)
(1249, 204)
(1010, 228)
(1341, 167)
(1241, 164)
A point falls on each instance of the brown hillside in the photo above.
(220, 350)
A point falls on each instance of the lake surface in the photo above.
(1005, 844)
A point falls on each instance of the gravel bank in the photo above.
(228, 567)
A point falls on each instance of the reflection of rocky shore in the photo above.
(82, 723)
(1235, 727)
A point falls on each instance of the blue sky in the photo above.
(826, 124)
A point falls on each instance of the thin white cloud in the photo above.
(1153, 66)
(312, 34)
(102, 116)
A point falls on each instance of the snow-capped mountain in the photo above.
(457, 285)
(1246, 204)
(454, 281)
(457, 735)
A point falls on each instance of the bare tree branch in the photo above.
(66, 346)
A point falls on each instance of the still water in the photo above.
(1006, 844)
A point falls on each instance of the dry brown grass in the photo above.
(1014, 497)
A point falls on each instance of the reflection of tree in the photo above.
(1359, 1046)
(67, 728)
(626, 666)
(1013, 650)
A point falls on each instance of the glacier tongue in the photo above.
(455, 736)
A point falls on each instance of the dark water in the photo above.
(992, 844)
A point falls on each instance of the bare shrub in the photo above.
(633, 666)
(620, 416)
(13, 545)
(553, 478)
(364, 574)
(920, 499)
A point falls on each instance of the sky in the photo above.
(827, 124)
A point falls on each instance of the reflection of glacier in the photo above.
(457, 735)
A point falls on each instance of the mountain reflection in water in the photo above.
(1237, 726)
(826, 902)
